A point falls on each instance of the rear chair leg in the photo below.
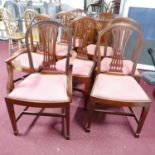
(67, 110)
(90, 116)
(141, 120)
(86, 93)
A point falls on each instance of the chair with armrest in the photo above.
(47, 87)
(115, 85)
(12, 30)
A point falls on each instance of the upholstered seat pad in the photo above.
(42, 88)
(91, 50)
(127, 66)
(61, 49)
(23, 60)
(118, 88)
(80, 67)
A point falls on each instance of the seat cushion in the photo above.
(42, 88)
(23, 61)
(127, 66)
(91, 50)
(61, 49)
(118, 88)
(80, 67)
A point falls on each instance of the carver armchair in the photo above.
(47, 87)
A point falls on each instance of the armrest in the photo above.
(12, 57)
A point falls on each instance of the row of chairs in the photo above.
(50, 81)
(102, 6)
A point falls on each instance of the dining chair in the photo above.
(29, 14)
(77, 13)
(65, 18)
(83, 68)
(13, 32)
(102, 20)
(47, 87)
(116, 86)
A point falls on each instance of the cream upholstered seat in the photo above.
(37, 83)
(81, 68)
(92, 47)
(118, 88)
(61, 50)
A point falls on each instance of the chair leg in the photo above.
(90, 116)
(141, 120)
(12, 116)
(10, 84)
(86, 93)
(63, 123)
(67, 109)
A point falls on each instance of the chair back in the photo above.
(29, 14)
(97, 7)
(124, 38)
(83, 33)
(126, 20)
(114, 6)
(77, 13)
(65, 18)
(48, 35)
(104, 16)
(36, 37)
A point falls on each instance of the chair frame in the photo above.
(65, 113)
(82, 51)
(116, 71)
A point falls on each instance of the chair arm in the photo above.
(12, 57)
(10, 83)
